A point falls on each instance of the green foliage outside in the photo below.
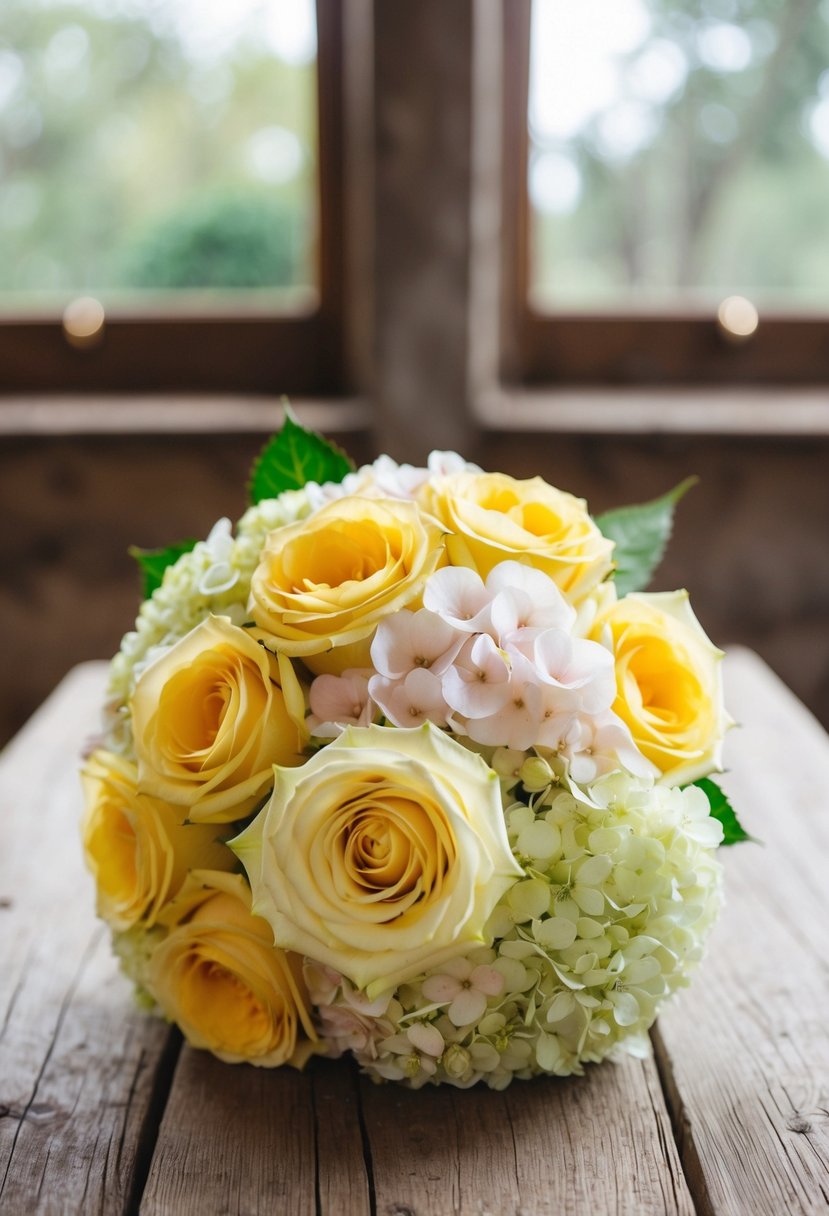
(125, 162)
(729, 192)
(221, 241)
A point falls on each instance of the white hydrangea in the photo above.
(385, 478)
(621, 889)
(253, 528)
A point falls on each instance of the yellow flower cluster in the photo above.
(385, 853)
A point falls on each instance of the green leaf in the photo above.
(293, 457)
(641, 534)
(721, 809)
(154, 562)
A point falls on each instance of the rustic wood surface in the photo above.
(101, 1112)
(78, 1065)
(746, 1051)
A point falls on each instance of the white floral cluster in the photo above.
(494, 661)
(385, 478)
(621, 889)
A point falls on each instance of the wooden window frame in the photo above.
(681, 348)
(215, 351)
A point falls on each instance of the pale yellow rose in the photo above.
(323, 585)
(210, 720)
(138, 848)
(219, 977)
(384, 855)
(494, 518)
(668, 683)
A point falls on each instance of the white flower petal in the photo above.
(467, 1007)
(458, 596)
(556, 933)
(441, 988)
(487, 980)
(426, 1038)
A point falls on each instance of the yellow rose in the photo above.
(668, 683)
(328, 581)
(494, 518)
(137, 847)
(219, 977)
(210, 720)
(382, 856)
(593, 605)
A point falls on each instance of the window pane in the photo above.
(679, 153)
(153, 146)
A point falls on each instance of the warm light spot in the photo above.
(83, 322)
(738, 318)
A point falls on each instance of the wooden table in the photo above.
(103, 1110)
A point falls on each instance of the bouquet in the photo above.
(409, 767)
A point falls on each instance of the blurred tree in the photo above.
(111, 126)
(221, 241)
(719, 183)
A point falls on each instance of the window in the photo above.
(668, 186)
(171, 172)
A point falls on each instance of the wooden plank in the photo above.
(601, 1143)
(745, 1054)
(296, 354)
(79, 1068)
(250, 1140)
(682, 411)
(193, 414)
(245, 1140)
(660, 348)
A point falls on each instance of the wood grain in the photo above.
(78, 1066)
(743, 1056)
(598, 1144)
(249, 1140)
(422, 178)
(745, 1053)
